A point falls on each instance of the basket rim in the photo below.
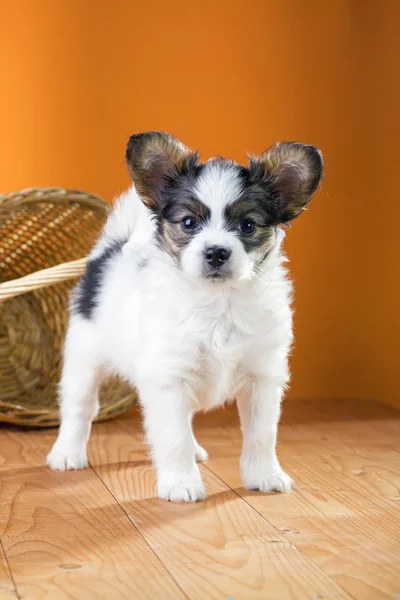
(56, 195)
(58, 273)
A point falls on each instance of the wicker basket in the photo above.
(40, 230)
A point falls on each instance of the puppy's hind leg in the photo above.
(200, 453)
(78, 398)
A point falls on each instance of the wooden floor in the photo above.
(101, 533)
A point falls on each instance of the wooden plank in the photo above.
(7, 588)
(346, 522)
(65, 535)
(372, 473)
(216, 549)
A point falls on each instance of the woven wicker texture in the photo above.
(39, 229)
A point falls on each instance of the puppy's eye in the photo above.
(189, 223)
(247, 226)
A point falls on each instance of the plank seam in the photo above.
(9, 571)
(140, 533)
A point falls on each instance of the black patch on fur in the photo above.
(255, 202)
(259, 189)
(179, 185)
(86, 293)
(177, 202)
(186, 206)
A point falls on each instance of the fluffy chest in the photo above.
(222, 350)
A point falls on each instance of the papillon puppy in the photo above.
(186, 296)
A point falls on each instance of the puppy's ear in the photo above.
(293, 173)
(153, 158)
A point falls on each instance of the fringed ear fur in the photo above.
(152, 158)
(293, 171)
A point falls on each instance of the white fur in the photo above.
(187, 344)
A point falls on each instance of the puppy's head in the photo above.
(218, 219)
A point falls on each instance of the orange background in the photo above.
(77, 77)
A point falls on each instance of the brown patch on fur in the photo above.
(295, 171)
(174, 238)
(265, 243)
(153, 157)
(170, 233)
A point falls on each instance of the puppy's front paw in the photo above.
(182, 491)
(266, 479)
(61, 459)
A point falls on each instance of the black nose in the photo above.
(216, 256)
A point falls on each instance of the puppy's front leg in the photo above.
(169, 432)
(259, 408)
